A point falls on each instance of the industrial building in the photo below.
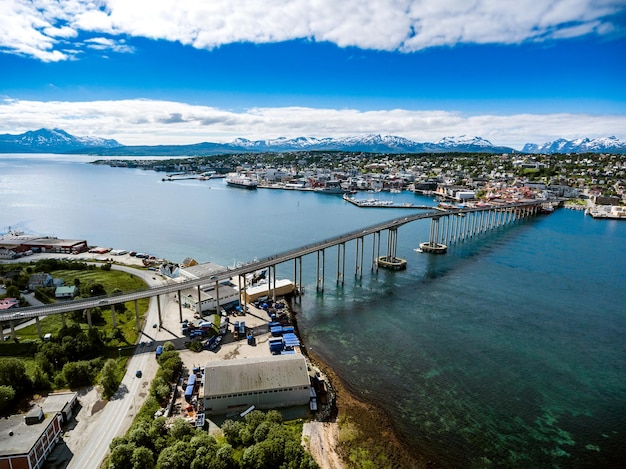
(27, 440)
(12, 246)
(263, 382)
(212, 295)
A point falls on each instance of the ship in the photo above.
(332, 187)
(240, 180)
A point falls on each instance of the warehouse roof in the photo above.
(255, 374)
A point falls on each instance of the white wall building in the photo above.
(266, 383)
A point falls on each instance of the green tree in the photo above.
(13, 292)
(202, 439)
(224, 458)
(231, 430)
(178, 456)
(168, 346)
(78, 373)
(50, 357)
(260, 434)
(140, 436)
(254, 419)
(158, 433)
(142, 458)
(120, 456)
(245, 436)
(40, 379)
(180, 430)
(13, 373)
(7, 394)
(94, 339)
(273, 416)
(108, 378)
(96, 289)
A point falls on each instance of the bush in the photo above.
(7, 394)
(80, 373)
(13, 373)
(196, 346)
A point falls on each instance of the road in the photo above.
(90, 439)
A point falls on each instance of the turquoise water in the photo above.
(509, 351)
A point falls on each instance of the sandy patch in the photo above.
(321, 438)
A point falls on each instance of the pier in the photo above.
(376, 203)
(447, 227)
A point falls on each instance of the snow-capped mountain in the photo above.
(451, 142)
(579, 145)
(51, 141)
(59, 141)
(368, 143)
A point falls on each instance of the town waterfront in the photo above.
(508, 351)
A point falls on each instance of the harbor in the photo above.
(466, 377)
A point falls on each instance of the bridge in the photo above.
(448, 226)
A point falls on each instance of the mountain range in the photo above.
(51, 141)
(59, 141)
(580, 145)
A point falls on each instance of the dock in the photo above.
(376, 203)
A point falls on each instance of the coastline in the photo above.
(364, 428)
(364, 431)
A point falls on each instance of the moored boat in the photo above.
(240, 180)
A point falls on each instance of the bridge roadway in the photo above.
(246, 268)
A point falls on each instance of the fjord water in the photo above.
(509, 351)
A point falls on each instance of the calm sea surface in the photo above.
(509, 351)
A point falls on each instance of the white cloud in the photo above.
(103, 43)
(34, 28)
(151, 122)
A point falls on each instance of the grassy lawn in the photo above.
(111, 281)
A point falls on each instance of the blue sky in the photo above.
(146, 72)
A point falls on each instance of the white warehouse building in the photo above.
(266, 383)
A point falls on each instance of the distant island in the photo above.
(60, 141)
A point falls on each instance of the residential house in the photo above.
(41, 280)
(65, 292)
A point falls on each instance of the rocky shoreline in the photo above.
(365, 431)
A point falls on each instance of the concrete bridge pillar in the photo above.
(217, 297)
(341, 263)
(137, 323)
(13, 334)
(297, 279)
(358, 258)
(158, 298)
(319, 282)
(38, 327)
(88, 311)
(272, 283)
(432, 245)
(113, 318)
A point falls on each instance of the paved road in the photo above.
(93, 433)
